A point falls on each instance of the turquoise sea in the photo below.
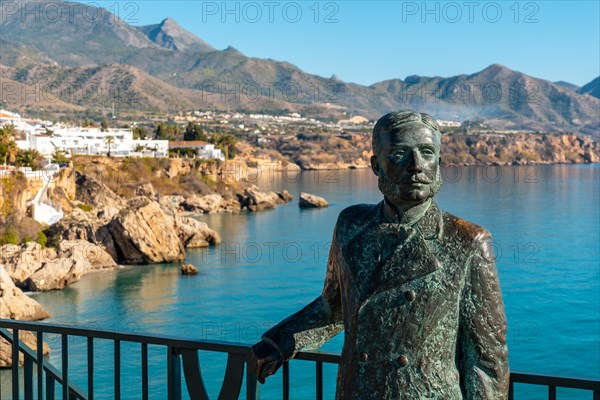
(544, 220)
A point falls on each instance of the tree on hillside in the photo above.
(139, 132)
(8, 147)
(59, 157)
(104, 126)
(194, 132)
(109, 140)
(8, 152)
(7, 133)
(30, 158)
(227, 144)
(165, 131)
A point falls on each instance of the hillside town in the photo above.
(47, 138)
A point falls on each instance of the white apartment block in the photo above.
(95, 141)
(47, 138)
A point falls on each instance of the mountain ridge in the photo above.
(169, 34)
(190, 68)
(592, 88)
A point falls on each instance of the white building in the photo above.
(203, 149)
(95, 141)
(47, 138)
(28, 127)
(454, 124)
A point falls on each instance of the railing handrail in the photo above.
(153, 339)
(555, 380)
(184, 346)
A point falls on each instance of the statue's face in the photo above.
(408, 165)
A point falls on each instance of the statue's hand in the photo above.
(266, 360)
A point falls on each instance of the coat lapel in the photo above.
(405, 253)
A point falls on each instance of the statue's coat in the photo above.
(420, 304)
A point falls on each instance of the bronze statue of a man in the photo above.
(414, 288)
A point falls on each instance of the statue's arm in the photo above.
(316, 323)
(483, 352)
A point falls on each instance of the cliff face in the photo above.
(17, 190)
(517, 149)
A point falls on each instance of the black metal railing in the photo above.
(182, 353)
(178, 352)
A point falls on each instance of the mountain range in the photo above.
(92, 58)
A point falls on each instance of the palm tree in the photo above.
(8, 147)
(227, 143)
(30, 158)
(7, 133)
(109, 140)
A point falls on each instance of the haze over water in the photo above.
(544, 220)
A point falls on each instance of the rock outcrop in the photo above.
(146, 189)
(97, 195)
(211, 203)
(284, 197)
(33, 268)
(254, 199)
(188, 269)
(22, 261)
(172, 201)
(194, 233)
(144, 233)
(80, 225)
(14, 304)
(307, 200)
(67, 265)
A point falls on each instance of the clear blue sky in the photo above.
(366, 42)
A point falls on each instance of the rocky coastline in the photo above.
(102, 229)
(460, 146)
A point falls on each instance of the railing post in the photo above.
(252, 386)
(117, 369)
(40, 364)
(65, 365)
(286, 380)
(551, 392)
(50, 388)
(90, 367)
(144, 371)
(28, 377)
(319, 379)
(173, 374)
(15, 364)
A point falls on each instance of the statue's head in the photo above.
(406, 157)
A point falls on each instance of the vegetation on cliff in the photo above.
(168, 176)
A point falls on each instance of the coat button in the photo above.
(364, 356)
(410, 295)
(403, 360)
